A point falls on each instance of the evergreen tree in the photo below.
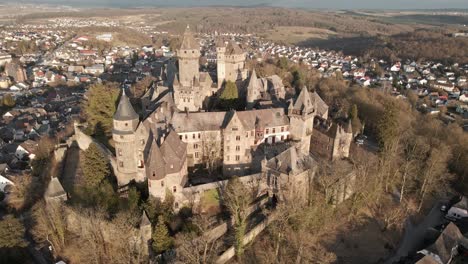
(101, 106)
(8, 101)
(229, 97)
(95, 166)
(230, 91)
(162, 241)
(12, 233)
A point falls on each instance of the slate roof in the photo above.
(463, 204)
(304, 102)
(166, 159)
(188, 41)
(289, 161)
(125, 111)
(448, 239)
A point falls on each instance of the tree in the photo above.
(95, 166)
(388, 126)
(162, 241)
(49, 225)
(434, 173)
(197, 247)
(283, 63)
(229, 97)
(12, 233)
(8, 101)
(211, 145)
(101, 106)
(237, 200)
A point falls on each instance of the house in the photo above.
(26, 149)
(459, 210)
(445, 247)
(4, 182)
(463, 98)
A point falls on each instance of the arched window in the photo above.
(174, 189)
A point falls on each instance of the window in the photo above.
(174, 189)
(267, 130)
(227, 148)
(126, 124)
(238, 138)
(247, 134)
(193, 136)
(195, 146)
(237, 157)
(197, 155)
(282, 129)
(237, 148)
(274, 130)
(186, 137)
(162, 183)
(282, 138)
(121, 164)
(154, 174)
(199, 135)
(120, 152)
(180, 137)
(227, 158)
(121, 137)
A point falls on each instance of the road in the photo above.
(413, 239)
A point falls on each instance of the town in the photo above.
(196, 146)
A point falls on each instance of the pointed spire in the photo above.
(188, 41)
(125, 111)
(253, 79)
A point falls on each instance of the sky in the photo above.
(328, 4)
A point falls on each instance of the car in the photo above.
(443, 208)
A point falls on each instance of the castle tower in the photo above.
(301, 117)
(221, 63)
(189, 56)
(124, 126)
(234, 59)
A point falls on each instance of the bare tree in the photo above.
(211, 144)
(197, 247)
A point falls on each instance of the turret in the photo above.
(125, 124)
(253, 89)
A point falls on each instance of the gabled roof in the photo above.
(448, 239)
(156, 166)
(174, 152)
(54, 189)
(125, 111)
(188, 41)
(144, 219)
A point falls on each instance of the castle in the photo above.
(176, 135)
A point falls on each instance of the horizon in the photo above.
(311, 4)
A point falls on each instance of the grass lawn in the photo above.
(210, 202)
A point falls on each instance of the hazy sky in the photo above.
(334, 4)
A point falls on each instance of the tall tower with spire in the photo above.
(189, 56)
(301, 117)
(125, 123)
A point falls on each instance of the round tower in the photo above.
(125, 123)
